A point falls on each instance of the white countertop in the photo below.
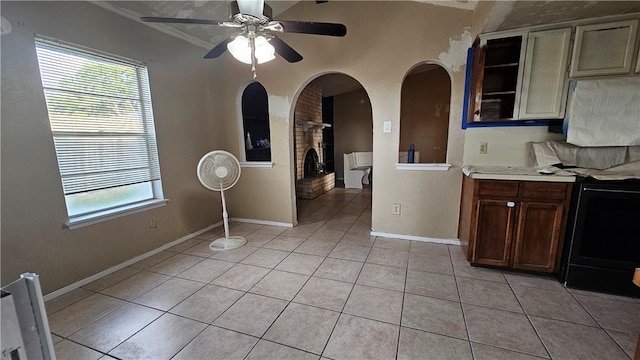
(523, 173)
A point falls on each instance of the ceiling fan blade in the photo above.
(217, 50)
(251, 7)
(284, 50)
(317, 28)
(181, 20)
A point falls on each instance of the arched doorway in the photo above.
(333, 117)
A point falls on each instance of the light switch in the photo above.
(386, 127)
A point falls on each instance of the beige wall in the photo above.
(353, 126)
(33, 208)
(378, 57)
(424, 114)
(506, 146)
(196, 107)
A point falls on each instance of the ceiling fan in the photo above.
(257, 41)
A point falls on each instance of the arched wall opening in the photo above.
(424, 114)
(256, 133)
(333, 116)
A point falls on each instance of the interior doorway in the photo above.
(333, 117)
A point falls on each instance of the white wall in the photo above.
(33, 209)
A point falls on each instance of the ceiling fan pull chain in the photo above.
(252, 43)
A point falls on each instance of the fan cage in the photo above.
(218, 170)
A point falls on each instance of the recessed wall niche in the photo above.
(424, 114)
(255, 121)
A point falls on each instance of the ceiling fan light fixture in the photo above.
(240, 48)
(264, 50)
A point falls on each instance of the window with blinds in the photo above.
(102, 123)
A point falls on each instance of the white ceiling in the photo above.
(504, 15)
(518, 14)
(209, 36)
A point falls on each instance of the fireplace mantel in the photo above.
(306, 124)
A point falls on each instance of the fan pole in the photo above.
(225, 216)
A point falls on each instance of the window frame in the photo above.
(145, 134)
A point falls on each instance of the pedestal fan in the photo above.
(220, 171)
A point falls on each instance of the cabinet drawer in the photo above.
(498, 188)
(543, 190)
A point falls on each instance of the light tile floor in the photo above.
(326, 288)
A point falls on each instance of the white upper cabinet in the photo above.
(544, 81)
(604, 49)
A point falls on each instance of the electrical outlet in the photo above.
(396, 209)
(484, 147)
(153, 223)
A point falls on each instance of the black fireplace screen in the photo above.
(311, 163)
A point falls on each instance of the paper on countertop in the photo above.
(513, 170)
(626, 171)
(604, 112)
(559, 152)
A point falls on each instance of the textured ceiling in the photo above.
(209, 36)
(504, 15)
(518, 14)
(201, 35)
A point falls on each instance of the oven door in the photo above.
(606, 232)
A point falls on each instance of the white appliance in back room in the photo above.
(357, 167)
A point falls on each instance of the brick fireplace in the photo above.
(308, 144)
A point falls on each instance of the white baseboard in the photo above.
(111, 270)
(417, 238)
(262, 222)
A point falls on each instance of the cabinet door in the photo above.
(538, 232)
(604, 49)
(544, 83)
(494, 229)
(475, 87)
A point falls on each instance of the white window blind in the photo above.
(101, 119)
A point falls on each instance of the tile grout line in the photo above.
(203, 284)
(464, 317)
(529, 319)
(348, 296)
(404, 292)
(290, 301)
(164, 312)
(598, 322)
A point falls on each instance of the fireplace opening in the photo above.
(312, 164)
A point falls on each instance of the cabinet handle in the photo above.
(511, 204)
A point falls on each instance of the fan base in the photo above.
(232, 242)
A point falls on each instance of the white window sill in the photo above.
(423, 167)
(256, 164)
(76, 222)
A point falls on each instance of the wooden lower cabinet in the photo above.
(514, 224)
(494, 226)
(536, 241)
